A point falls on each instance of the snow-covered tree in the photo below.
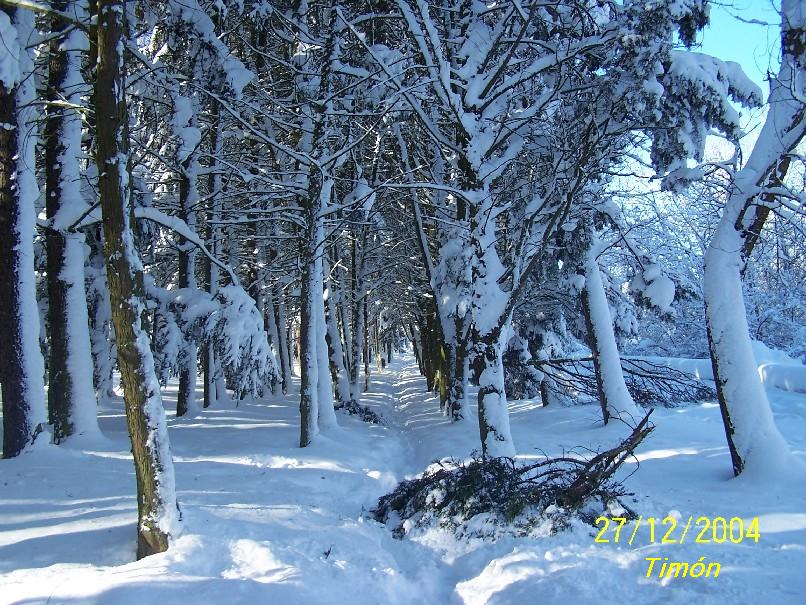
(71, 399)
(22, 371)
(755, 443)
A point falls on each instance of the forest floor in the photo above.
(267, 522)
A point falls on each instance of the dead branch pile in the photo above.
(483, 496)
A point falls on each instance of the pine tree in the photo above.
(156, 496)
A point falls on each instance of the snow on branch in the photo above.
(179, 226)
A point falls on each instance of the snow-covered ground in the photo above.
(267, 522)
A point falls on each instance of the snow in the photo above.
(711, 73)
(776, 369)
(267, 522)
(79, 361)
(242, 344)
(179, 226)
(658, 289)
(619, 401)
(235, 73)
(190, 137)
(784, 377)
(9, 58)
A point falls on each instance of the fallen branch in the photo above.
(649, 383)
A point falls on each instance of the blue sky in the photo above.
(755, 47)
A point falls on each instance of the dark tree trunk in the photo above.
(156, 498)
(358, 314)
(59, 379)
(71, 400)
(283, 343)
(213, 381)
(338, 372)
(456, 390)
(270, 320)
(186, 396)
(185, 399)
(367, 359)
(307, 354)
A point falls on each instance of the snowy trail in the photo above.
(263, 519)
(268, 522)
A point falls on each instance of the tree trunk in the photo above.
(545, 391)
(270, 315)
(336, 351)
(71, 400)
(156, 496)
(215, 390)
(358, 319)
(488, 323)
(327, 415)
(186, 397)
(22, 370)
(458, 377)
(308, 390)
(496, 438)
(284, 344)
(366, 353)
(102, 336)
(343, 311)
(188, 198)
(614, 397)
(753, 439)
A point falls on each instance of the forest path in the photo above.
(263, 520)
(413, 414)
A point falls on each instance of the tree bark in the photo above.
(214, 387)
(338, 371)
(102, 336)
(308, 392)
(156, 495)
(494, 430)
(367, 352)
(284, 344)
(458, 376)
(270, 317)
(71, 400)
(358, 315)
